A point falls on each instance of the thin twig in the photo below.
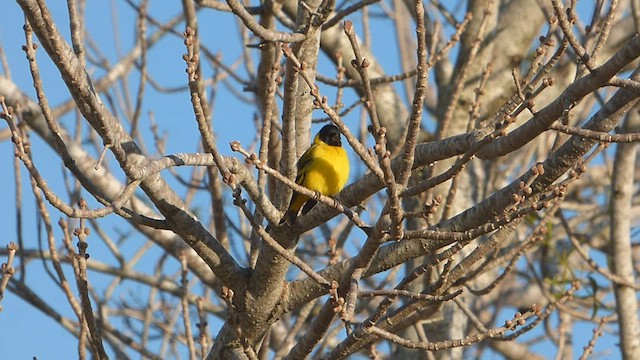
(186, 318)
(329, 201)
(518, 319)
(200, 106)
(7, 269)
(379, 134)
(83, 288)
(267, 238)
(597, 135)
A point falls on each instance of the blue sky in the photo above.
(32, 333)
(24, 331)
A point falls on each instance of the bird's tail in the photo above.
(289, 217)
(291, 214)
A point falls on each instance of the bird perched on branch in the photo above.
(324, 168)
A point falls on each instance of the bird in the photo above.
(324, 168)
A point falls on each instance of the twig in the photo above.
(518, 320)
(62, 281)
(379, 134)
(346, 11)
(329, 201)
(463, 72)
(597, 332)
(592, 263)
(624, 83)
(101, 157)
(566, 296)
(17, 179)
(51, 197)
(597, 135)
(500, 130)
(141, 29)
(535, 238)
(83, 288)
(266, 237)
(409, 294)
(565, 25)
(301, 320)
(469, 314)
(415, 120)
(186, 318)
(7, 269)
(474, 115)
(342, 113)
(605, 29)
(322, 102)
(361, 264)
(202, 327)
(316, 331)
(258, 30)
(200, 107)
(433, 59)
(572, 94)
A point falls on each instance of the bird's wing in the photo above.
(303, 164)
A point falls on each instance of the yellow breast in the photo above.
(329, 170)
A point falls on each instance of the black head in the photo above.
(330, 135)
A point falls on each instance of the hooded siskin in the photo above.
(324, 168)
